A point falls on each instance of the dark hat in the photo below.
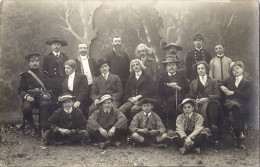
(103, 98)
(146, 100)
(198, 36)
(56, 40)
(201, 62)
(170, 59)
(187, 100)
(32, 55)
(172, 44)
(233, 64)
(103, 61)
(66, 96)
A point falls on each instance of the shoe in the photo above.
(197, 150)
(183, 150)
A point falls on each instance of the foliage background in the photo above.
(25, 26)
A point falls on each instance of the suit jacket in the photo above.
(80, 87)
(101, 119)
(112, 86)
(55, 69)
(193, 57)
(144, 86)
(152, 68)
(92, 65)
(211, 89)
(119, 65)
(197, 124)
(167, 93)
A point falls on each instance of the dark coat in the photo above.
(80, 87)
(112, 86)
(193, 57)
(55, 70)
(144, 86)
(73, 121)
(119, 65)
(167, 93)
(152, 68)
(92, 65)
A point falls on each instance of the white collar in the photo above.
(107, 111)
(219, 56)
(68, 111)
(205, 76)
(106, 74)
(55, 53)
(72, 75)
(169, 74)
(148, 113)
(240, 77)
(198, 49)
(189, 116)
(84, 57)
(138, 73)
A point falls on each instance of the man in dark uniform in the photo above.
(195, 55)
(119, 60)
(53, 66)
(33, 92)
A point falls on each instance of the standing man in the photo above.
(33, 92)
(119, 60)
(219, 65)
(105, 83)
(195, 55)
(141, 52)
(76, 84)
(87, 66)
(53, 66)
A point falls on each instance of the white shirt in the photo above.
(220, 55)
(70, 81)
(68, 111)
(203, 79)
(238, 80)
(86, 69)
(147, 114)
(105, 75)
(169, 74)
(138, 74)
(56, 54)
(189, 116)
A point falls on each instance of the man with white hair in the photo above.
(142, 53)
(138, 86)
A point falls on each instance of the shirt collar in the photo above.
(105, 74)
(205, 76)
(84, 57)
(220, 56)
(198, 49)
(55, 53)
(107, 111)
(138, 73)
(72, 75)
(189, 116)
(169, 74)
(68, 111)
(147, 114)
(240, 77)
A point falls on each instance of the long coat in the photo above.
(152, 68)
(144, 86)
(80, 87)
(119, 65)
(55, 70)
(193, 57)
(92, 66)
(112, 86)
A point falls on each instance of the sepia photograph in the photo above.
(129, 83)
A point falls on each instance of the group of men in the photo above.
(115, 93)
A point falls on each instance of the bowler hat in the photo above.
(103, 61)
(201, 62)
(104, 97)
(198, 36)
(172, 44)
(66, 96)
(187, 100)
(233, 64)
(56, 40)
(171, 59)
(146, 100)
(32, 55)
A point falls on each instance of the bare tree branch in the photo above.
(232, 17)
(138, 33)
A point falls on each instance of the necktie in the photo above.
(189, 124)
(237, 82)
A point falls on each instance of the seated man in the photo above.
(139, 85)
(67, 125)
(107, 125)
(147, 126)
(33, 92)
(190, 132)
(172, 88)
(105, 83)
(237, 90)
(76, 84)
(205, 90)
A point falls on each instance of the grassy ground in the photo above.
(18, 149)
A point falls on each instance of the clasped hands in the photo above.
(106, 134)
(188, 141)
